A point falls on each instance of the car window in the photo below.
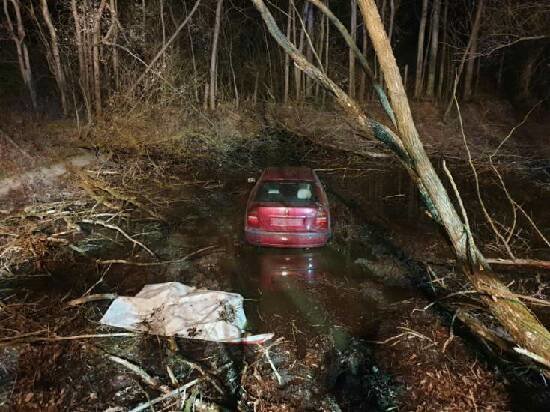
(286, 192)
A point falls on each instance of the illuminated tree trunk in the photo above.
(214, 56)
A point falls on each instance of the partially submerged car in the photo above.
(288, 207)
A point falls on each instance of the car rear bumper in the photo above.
(286, 239)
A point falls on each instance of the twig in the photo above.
(145, 377)
(27, 338)
(206, 375)
(467, 227)
(169, 395)
(119, 230)
(478, 190)
(164, 262)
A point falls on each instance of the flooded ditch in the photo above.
(350, 329)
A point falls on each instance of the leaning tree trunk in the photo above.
(516, 318)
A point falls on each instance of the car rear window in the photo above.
(286, 192)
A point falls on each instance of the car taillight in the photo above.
(321, 220)
(252, 218)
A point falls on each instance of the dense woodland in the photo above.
(90, 63)
(87, 56)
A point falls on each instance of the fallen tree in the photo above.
(521, 324)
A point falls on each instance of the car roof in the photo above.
(289, 173)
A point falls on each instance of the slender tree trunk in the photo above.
(163, 27)
(470, 65)
(443, 54)
(363, 85)
(56, 59)
(96, 36)
(420, 50)
(392, 18)
(214, 56)
(297, 72)
(430, 89)
(353, 31)
(18, 34)
(114, 56)
(327, 44)
(287, 58)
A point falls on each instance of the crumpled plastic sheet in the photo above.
(175, 309)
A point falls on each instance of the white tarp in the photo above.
(171, 309)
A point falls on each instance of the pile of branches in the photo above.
(44, 232)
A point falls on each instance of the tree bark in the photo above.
(470, 65)
(430, 88)
(420, 50)
(214, 56)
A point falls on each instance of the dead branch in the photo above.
(483, 331)
(182, 390)
(145, 377)
(12, 142)
(119, 230)
(166, 45)
(527, 263)
(164, 262)
(92, 298)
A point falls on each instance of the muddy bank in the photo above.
(347, 332)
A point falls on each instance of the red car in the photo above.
(288, 207)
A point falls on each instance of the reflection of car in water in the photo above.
(289, 268)
(288, 208)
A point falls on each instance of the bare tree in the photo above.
(18, 35)
(57, 67)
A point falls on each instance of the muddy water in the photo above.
(295, 293)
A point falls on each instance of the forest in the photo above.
(131, 134)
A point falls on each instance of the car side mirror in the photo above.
(251, 180)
